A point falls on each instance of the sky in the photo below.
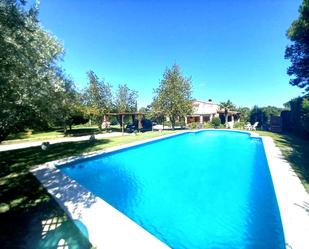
(232, 49)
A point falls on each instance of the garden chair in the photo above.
(248, 126)
(254, 126)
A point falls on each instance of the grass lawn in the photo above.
(78, 130)
(295, 151)
(26, 208)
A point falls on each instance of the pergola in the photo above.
(229, 113)
(122, 115)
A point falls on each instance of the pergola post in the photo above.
(122, 123)
(139, 117)
(201, 119)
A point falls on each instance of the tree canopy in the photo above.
(298, 51)
(173, 96)
(227, 106)
(98, 98)
(126, 99)
(29, 75)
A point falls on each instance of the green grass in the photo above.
(24, 204)
(296, 152)
(78, 130)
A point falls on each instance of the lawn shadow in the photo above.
(22, 197)
(81, 132)
(296, 151)
(65, 190)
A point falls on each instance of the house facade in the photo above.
(205, 111)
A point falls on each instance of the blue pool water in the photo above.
(210, 189)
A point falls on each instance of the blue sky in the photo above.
(233, 49)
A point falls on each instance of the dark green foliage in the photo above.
(244, 113)
(292, 119)
(216, 122)
(263, 114)
(305, 115)
(29, 76)
(298, 51)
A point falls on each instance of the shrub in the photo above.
(194, 125)
(239, 125)
(208, 125)
(216, 122)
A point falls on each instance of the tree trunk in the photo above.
(65, 128)
(3, 135)
(173, 121)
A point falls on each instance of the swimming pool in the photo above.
(209, 189)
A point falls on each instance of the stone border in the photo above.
(121, 232)
(292, 198)
(102, 224)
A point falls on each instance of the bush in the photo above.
(239, 125)
(177, 123)
(208, 125)
(216, 122)
(194, 125)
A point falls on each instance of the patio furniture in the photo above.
(254, 126)
(248, 126)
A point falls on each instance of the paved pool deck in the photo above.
(108, 228)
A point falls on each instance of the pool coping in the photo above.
(292, 198)
(121, 232)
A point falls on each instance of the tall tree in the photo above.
(244, 113)
(64, 104)
(28, 68)
(227, 106)
(98, 98)
(298, 51)
(173, 96)
(263, 114)
(126, 99)
(305, 115)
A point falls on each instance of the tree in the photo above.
(126, 99)
(227, 106)
(146, 111)
(173, 96)
(28, 68)
(98, 98)
(305, 115)
(298, 51)
(263, 114)
(244, 113)
(64, 104)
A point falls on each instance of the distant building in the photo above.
(205, 111)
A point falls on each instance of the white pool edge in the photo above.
(292, 198)
(111, 229)
(106, 226)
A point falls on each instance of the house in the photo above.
(205, 111)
